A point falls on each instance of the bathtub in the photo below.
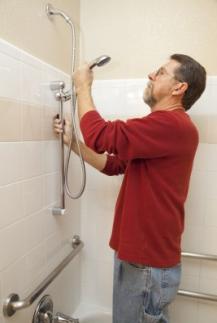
(96, 318)
(92, 314)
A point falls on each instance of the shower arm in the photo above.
(51, 11)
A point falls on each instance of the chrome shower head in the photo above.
(99, 61)
(50, 10)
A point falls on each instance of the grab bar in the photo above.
(199, 256)
(13, 302)
(207, 297)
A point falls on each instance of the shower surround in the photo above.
(32, 241)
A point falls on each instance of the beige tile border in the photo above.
(10, 120)
(21, 121)
(25, 122)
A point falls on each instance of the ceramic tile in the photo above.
(33, 195)
(14, 239)
(210, 213)
(191, 241)
(31, 122)
(211, 184)
(31, 84)
(184, 310)
(10, 121)
(109, 99)
(35, 262)
(202, 159)
(12, 206)
(212, 129)
(207, 312)
(208, 270)
(14, 277)
(202, 124)
(208, 243)
(32, 159)
(9, 49)
(11, 167)
(35, 231)
(10, 77)
(51, 188)
(51, 156)
(47, 122)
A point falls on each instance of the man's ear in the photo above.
(180, 88)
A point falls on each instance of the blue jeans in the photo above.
(142, 295)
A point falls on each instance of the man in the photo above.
(156, 154)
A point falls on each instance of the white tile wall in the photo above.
(120, 98)
(32, 240)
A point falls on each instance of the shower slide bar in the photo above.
(13, 302)
(202, 296)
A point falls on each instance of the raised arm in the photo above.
(107, 164)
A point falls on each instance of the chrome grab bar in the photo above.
(206, 297)
(13, 302)
(199, 256)
(186, 293)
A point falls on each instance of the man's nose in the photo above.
(152, 76)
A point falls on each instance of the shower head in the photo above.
(100, 61)
(50, 10)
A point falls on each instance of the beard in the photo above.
(148, 96)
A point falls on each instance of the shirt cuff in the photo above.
(108, 169)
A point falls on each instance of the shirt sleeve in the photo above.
(114, 166)
(152, 136)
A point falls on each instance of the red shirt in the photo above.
(156, 154)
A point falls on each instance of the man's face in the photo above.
(161, 83)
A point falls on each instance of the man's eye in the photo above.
(160, 72)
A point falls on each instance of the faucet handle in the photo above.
(57, 85)
(63, 318)
(46, 317)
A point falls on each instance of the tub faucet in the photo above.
(62, 318)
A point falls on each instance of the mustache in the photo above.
(149, 84)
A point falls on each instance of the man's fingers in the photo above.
(57, 130)
(61, 126)
(57, 126)
(56, 116)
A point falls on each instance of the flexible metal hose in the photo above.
(50, 10)
(74, 127)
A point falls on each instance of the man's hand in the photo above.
(66, 129)
(83, 79)
(98, 161)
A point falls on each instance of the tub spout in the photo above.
(62, 318)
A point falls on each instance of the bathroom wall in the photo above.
(140, 35)
(24, 23)
(32, 240)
